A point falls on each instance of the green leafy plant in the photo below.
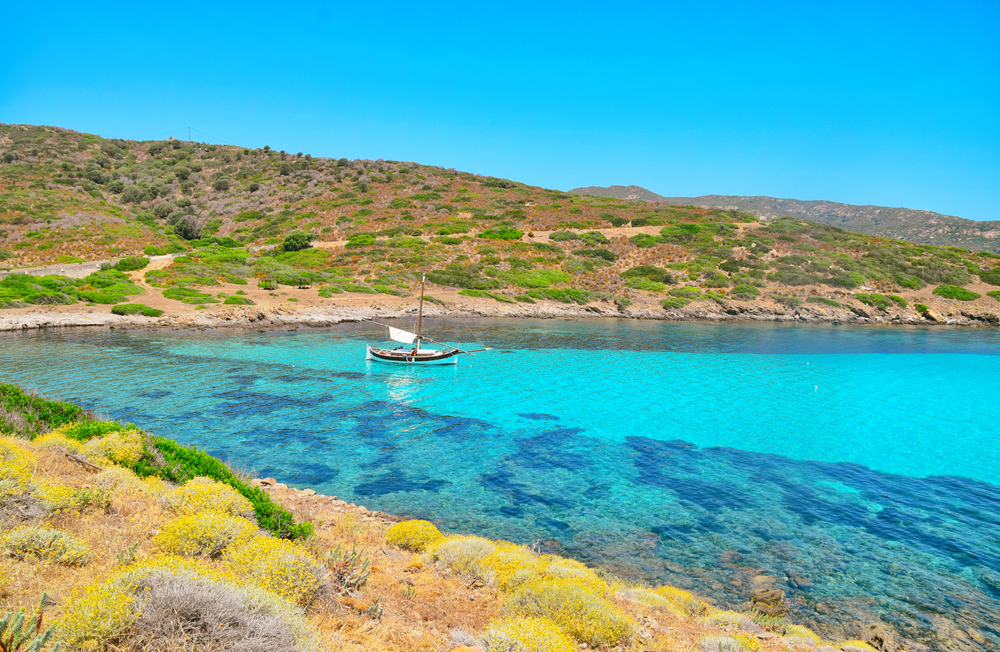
(126, 556)
(18, 636)
(502, 233)
(131, 263)
(879, 301)
(745, 291)
(135, 308)
(297, 241)
(955, 292)
(348, 571)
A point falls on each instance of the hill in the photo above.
(924, 227)
(241, 215)
(631, 193)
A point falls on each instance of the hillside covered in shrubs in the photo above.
(241, 215)
(112, 539)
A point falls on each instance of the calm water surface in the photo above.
(858, 466)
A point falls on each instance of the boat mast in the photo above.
(420, 313)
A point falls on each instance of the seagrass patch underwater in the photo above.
(854, 468)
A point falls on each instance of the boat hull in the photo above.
(425, 357)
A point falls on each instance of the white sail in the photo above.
(399, 335)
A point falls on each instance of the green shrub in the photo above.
(593, 238)
(992, 276)
(770, 623)
(131, 263)
(823, 300)
(469, 276)
(45, 544)
(898, 300)
(27, 416)
(994, 293)
(173, 248)
(545, 247)
(791, 302)
(483, 294)
(643, 283)
(563, 236)
(502, 233)
(360, 240)
(187, 295)
(297, 241)
(672, 303)
(328, 291)
(920, 307)
(955, 292)
(569, 295)
(651, 272)
(879, 301)
(644, 241)
(358, 288)
(745, 292)
(238, 301)
(535, 278)
(135, 308)
(686, 292)
(603, 254)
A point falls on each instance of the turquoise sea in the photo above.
(860, 467)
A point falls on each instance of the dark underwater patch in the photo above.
(155, 393)
(553, 449)
(537, 416)
(395, 480)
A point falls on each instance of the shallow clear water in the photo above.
(858, 466)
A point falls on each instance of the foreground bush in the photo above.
(201, 494)
(413, 535)
(573, 606)
(508, 565)
(277, 566)
(526, 635)
(462, 554)
(206, 534)
(171, 604)
(44, 544)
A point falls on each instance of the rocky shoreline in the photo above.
(251, 317)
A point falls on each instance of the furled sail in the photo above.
(398, 335)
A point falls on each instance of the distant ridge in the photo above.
(924, 227)
(632, 193)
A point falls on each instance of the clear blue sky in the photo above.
(895, 104)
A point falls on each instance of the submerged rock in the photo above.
(769, 601)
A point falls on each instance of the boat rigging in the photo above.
(416, 354)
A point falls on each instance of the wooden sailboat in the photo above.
(414, 353)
